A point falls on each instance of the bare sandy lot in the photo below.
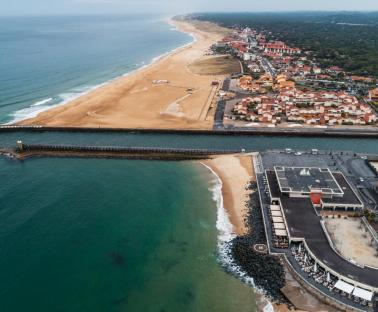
(136, 101)
(352, 241)
(215, 65)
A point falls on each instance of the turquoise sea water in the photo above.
(49, 60)
(226, 142)
(111, 235)
(102, 234)
(120, 235)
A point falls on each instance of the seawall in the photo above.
(303, 132)
(25, 151)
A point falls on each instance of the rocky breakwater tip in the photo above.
(266, 270)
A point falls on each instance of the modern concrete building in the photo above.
(296, 195)
(325, 189)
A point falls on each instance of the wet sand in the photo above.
(236, 172)
(135, 101)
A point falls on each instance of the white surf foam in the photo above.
(42, 102)
(225, 231)
(155, 59)
(63, 98)
(175, 28)
(226, 234)
(28, 112)
(31, 111)
(268, 307)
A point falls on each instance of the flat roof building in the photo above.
(302, 181)
(325, 189)
(291, 188)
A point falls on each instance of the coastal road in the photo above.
(219, 115)
(219, 130)
(268, 67)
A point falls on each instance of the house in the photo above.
(286, 85)
(361, 79)
(325, 108)
(254, 68)
(373, 95)
(335, 70)
(280, 48)
(249, 57)
(317, 70)
(306, 70)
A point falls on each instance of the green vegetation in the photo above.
(256, 76)
(348, 40)
(252, 106)
(304, 105)
(369, 215)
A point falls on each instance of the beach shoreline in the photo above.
(135, 101)
(235, 172)
(91, 88)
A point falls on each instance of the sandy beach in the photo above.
(182, 99)
(235, 172)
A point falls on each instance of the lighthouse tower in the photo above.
(20, 146)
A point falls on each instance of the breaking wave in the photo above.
(42, 102)
(225, 236)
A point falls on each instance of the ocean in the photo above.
(102, 234)
(113, 235)
(46, 61)
(122, 235)
(107, 234)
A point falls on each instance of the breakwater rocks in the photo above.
(150, 153)
(7, 153)
(266, 270)
(118, 149)
(110, 155)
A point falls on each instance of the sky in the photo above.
(80, 7)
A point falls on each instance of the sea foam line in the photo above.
(64, 98)
(42, 102)
(226, 234)
(44, 105)
(226, 231)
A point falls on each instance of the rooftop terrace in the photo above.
(306, 180)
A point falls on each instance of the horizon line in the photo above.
(186, 13)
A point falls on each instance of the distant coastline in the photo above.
(42, 105)
(135, 100)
